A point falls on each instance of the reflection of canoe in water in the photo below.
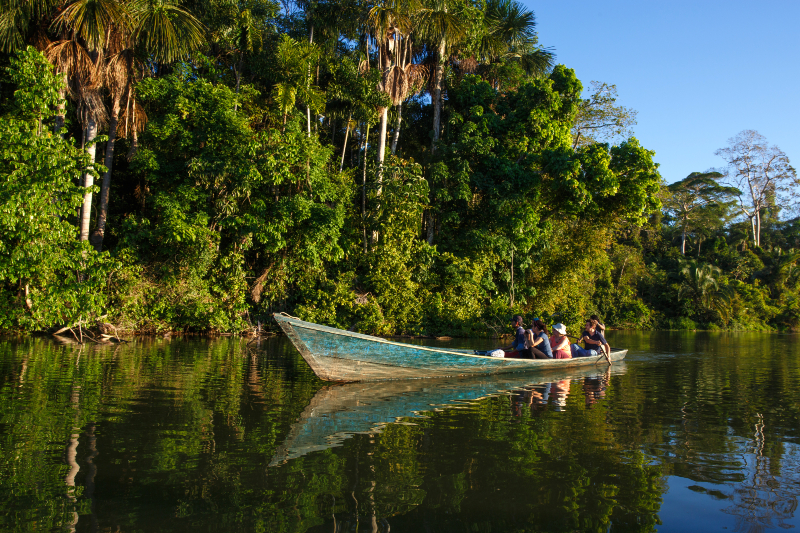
(338, 355)
(338, 412)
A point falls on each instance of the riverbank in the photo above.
(108, 333)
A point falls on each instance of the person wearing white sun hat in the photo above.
(559, 342)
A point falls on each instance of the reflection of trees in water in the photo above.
(763, 497)
(198, 421)
(84, 428)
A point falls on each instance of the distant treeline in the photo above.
(419, 167)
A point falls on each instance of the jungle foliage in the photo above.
(417, 168)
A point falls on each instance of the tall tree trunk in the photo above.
(344, 146)
(88, 179)
(382, 145)
(134, 145)
(511, 294)
(758, 227)
(437, 94)
(99, 234)
(134, 135)
(429, 222)
(396, 136)
(308, 109)
(237, 72)
(364, 190)
(683, 241)
(753, 226)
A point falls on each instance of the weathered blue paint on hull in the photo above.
(338, 355)
(337, 412)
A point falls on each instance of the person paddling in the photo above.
(594, 340)
(600, 326)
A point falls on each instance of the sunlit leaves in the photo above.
(54, 278)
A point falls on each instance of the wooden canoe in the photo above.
(339, 411)
(338, 355)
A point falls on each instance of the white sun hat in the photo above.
(561, 328)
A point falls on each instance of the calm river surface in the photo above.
(694, 432)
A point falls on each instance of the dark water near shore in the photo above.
(695, 432)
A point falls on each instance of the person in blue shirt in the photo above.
(539, 341)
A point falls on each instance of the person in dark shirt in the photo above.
(539, 341)
(592, 339)
(519, 337)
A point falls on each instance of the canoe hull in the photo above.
(338, 355)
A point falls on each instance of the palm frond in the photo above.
(122, 69)
(396, 84)
(16, 19)
(538, 62)
(438, 19)
(92, 19)
(91, 106)
(166, 30)
(248, 36)
(72, 59)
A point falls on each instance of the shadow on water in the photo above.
(696, 431)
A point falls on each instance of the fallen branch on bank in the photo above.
(99, 338)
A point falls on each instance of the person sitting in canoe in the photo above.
(594, 340)
(519, 339)
(559, 342)
(538, 340)
(600, 326)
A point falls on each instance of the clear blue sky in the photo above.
(698, 72)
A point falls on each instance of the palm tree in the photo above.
(95, 47)
(441, 23)
(702, 284)
(294, 60)
(239, 34)
(392, 27)
(122, 70)
(248, 40)
(161, 30)
(354, 95)
(722, 301)
(86, 27)
(510, 35)
(165, 30)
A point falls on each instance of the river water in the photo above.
(694, 432)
